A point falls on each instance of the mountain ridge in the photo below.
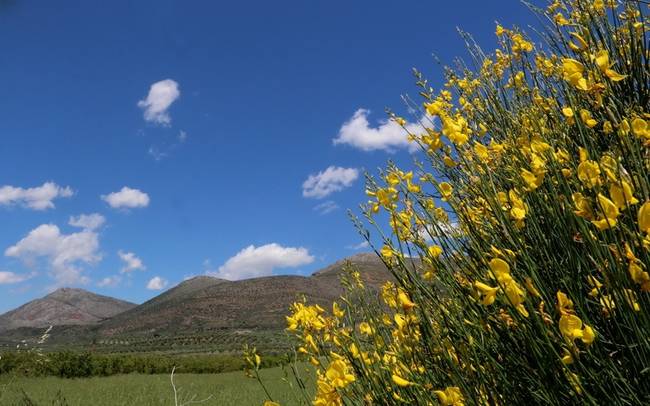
(64, 306)
(201, 305)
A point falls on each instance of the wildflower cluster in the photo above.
(520, 247)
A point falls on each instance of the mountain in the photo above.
(204, 303)
(199, 314)
(65, 306)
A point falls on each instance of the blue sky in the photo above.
(185, 132)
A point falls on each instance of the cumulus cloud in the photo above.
(87, 221)
(37, 198)
(64, 253)
(252, 262)
(127, 198)
(131, 262)
(161, 96)
(332, 179)
(157, 283)
(326, 207)
(110, 281)
(388, 135)
(7, 277)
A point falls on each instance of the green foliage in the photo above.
(231, 388)
(69, 364)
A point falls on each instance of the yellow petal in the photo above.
(644, 217)
(399, 381)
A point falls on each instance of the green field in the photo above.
(231, 388)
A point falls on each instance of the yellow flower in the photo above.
(560, 20)
(588, 335)
(609, 213)
(607, 127)
(564, 304)
(336, 311)
(610, 166)
(400, 121)
(643, 218)
(499, 267)
(434, 108)
(599, 5)
(602, 60)
(271, 403)
(639, 276)
(581, 45)
(435, 251)
(449, 162)
(586, 118)
(583, 206)
(533, 181)
(481, 152)
(518, 207)
(640, 128)
(488, 293)
(530, 287)
(399, 381)
(571, 328)
(451, 396)
(568, 112)
(308, 317)
(445, 190)
(572, 73)
(624, 128)
(589, 173)
(387, 252)
(338, 374)
(622, 195)
(404, 300)
(365, 328)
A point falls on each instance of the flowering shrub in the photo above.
(520, 247)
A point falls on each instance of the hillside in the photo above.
(199, 314)
(64, 306)
(259, 303)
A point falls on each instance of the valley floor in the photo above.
(231, 388)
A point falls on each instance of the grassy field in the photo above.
(232, 388)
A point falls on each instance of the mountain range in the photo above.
(201, 306)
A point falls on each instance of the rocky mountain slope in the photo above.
(202, 306)
(250, 303)
(65, 306)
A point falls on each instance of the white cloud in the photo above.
(161, 95)
(252, 262)
(110, 281)
(37, 198)
(360, 246)
(182, 136)
(127, 198)
(332, 179)
(157, 283)
(131, 262)
(388, 135)
(7, 277)
(156, 153)
(87, 221)
(63, 252)
(448, 230)
(326, 207)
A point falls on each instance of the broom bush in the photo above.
(520, 241)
